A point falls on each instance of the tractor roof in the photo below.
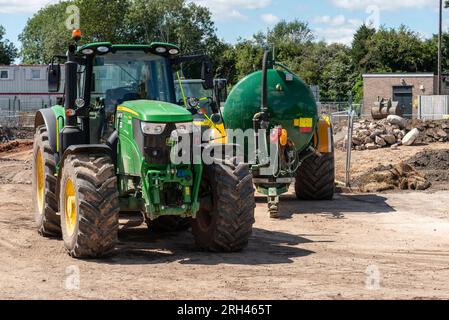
(153, 47)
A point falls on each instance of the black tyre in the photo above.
(315, 179)
(44, 186)
(89, 206)
(168, 224)
(226, 217)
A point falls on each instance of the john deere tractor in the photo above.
(110, 148)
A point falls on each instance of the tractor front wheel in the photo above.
(44, 186)
(226, 217)
(89, 205)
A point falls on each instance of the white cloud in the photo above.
(270, 19)
(225, 10)
(20, 6)
(333, 21)
(338, 29)
(384, 4)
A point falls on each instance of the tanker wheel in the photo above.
(89, 205)
(315, 179)
(168, 224)
(44, 186)
(225, 220)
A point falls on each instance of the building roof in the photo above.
(399, 75)
(22, 65)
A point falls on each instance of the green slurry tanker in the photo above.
(283, 113)
(107, 149)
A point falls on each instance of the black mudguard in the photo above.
(48, 118)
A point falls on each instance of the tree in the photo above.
(360, 49)
(8, 51)
(46, 34)
(399, 50)
(248, 58)
(295, 31)
(117, 21)
(337, 79)
(187, 24)
(103, 20)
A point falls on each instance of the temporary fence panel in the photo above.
(433, 107)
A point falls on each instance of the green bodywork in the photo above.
(132, 168)
(287, 101)
(131, 163)
(158, 111)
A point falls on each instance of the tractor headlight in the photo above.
(185, 127)
(153, 128)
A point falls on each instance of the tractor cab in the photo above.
(108, 76)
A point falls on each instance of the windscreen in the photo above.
(132, 75)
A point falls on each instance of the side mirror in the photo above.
(207, 76)
(54, 77)
(216, 118)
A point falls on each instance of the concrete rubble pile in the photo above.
(9, 134)
(396, 131)
(5, 135)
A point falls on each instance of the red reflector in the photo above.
(70, 112)
(305, 130)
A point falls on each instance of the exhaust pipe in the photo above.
(261, 119)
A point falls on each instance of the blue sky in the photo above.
(331, 20)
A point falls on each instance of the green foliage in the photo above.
(8, 51)
(360, 48)
(188, 25)
(129, 21)
(391, 50)
(337, 69)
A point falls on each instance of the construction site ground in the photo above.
(359, 246)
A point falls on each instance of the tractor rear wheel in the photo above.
(89, 205)
(315, 179)
(44, 186)
(168, 224)
(226, 217)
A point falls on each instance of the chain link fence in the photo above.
(17, 113)
(343, 125)
(13, 119)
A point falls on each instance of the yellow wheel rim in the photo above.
(40, 181)
(70, 207)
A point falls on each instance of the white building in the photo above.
(25, 88)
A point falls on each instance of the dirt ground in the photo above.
(360, 246)
(431, 160)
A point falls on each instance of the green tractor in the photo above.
(108, 148)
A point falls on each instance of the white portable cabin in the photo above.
(24, 88)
